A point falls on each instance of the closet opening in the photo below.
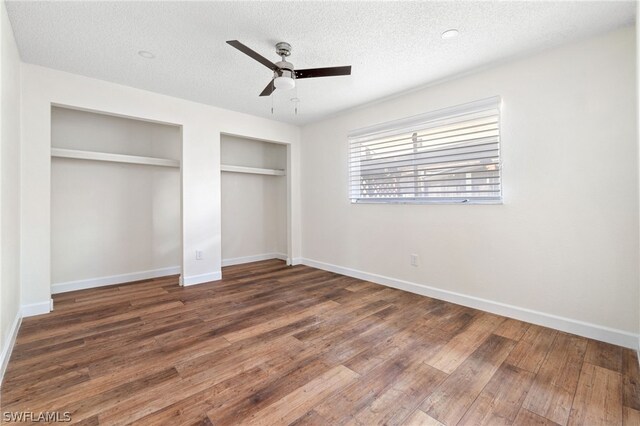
(115, 199)
(255, 199)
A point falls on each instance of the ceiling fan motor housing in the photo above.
(285, 69)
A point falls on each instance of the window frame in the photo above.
(415, 124)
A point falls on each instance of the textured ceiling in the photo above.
(392, 46)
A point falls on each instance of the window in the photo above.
(451, 155)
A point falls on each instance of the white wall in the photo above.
(254, 214)
(638, 117)
(201, 128)
(107, 218)
(565, 241)
(9, 187)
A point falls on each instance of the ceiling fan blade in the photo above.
(255, 55)
(269, 89)
(323, 72)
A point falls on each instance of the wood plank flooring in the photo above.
(271, 344)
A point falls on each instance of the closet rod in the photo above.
(114, 158)
(252, 170)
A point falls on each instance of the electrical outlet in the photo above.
(198, 254)
(414, 259)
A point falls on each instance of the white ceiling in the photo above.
(392, 46)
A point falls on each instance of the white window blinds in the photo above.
(451, 155)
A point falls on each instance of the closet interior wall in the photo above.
(254, 205)
(113, 222)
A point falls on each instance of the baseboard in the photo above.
(8, 345)
(39, 308)
(200, 279)
(113, 279)
(297, 261)
(581, 328)
(254, 258)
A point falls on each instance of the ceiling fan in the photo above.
(284, 75)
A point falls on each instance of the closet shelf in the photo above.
(254, 170)
(115, 158)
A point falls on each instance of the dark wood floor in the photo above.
(276, 345)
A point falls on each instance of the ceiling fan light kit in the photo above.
(284, 74)
(284, 82)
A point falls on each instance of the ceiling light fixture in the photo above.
(146, 55)
(285, 81)
(452, 33)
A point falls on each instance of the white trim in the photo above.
(113, 279)
(581, 328)
(251, 170)
(33, 309)
(8, 344)
(254, 258)
(297, 261)
(114, 158)
(200, 279)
